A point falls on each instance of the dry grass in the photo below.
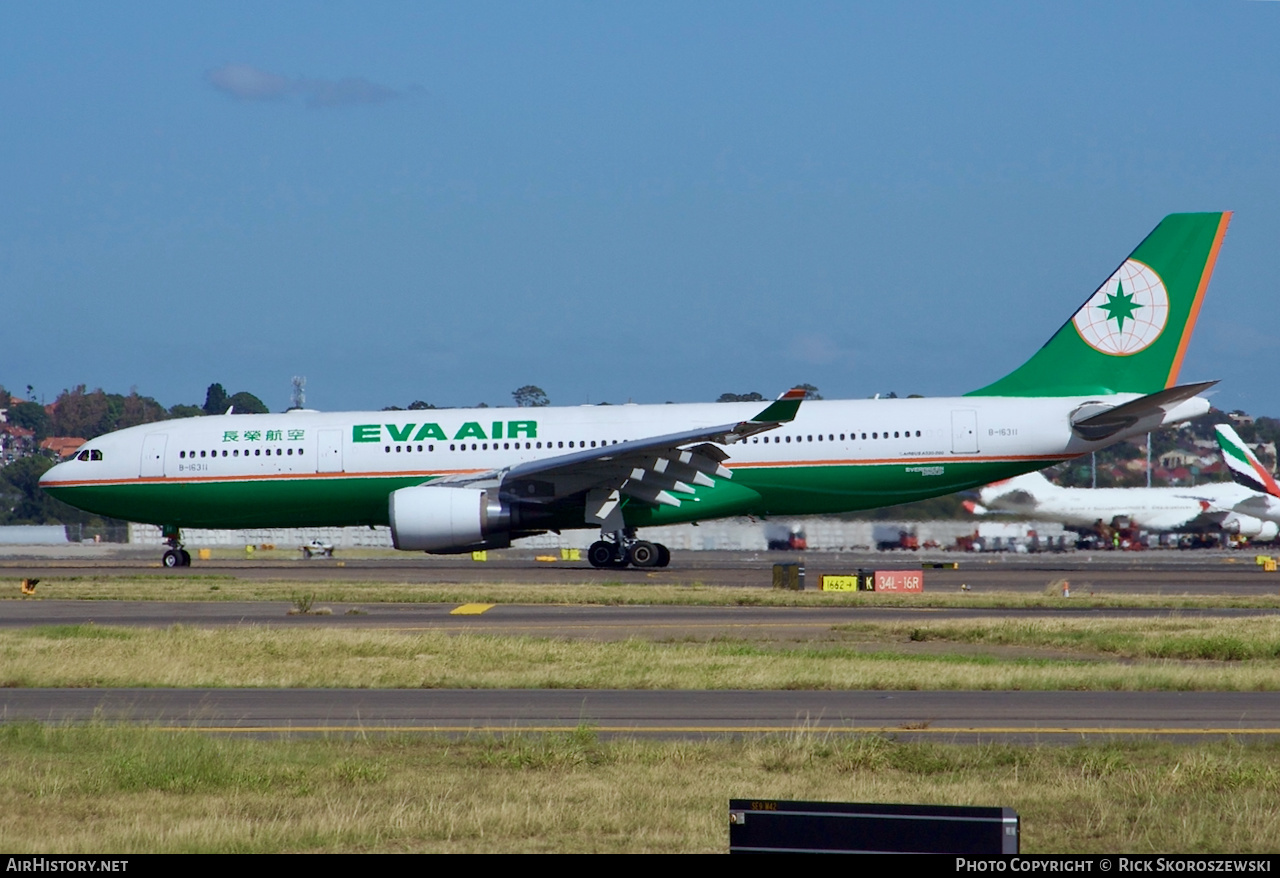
(99, 788)
(1167, 654)
(1223, 639)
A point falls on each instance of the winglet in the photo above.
(783, 409)
(1245, 468)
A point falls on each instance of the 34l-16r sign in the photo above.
(899, 580)
(877, 580)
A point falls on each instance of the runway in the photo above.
(1152, 572)
(957, 716)
(656, 622)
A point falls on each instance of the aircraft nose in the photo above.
(53, 474)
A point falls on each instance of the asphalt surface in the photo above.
(657, 622)
(1153, 572)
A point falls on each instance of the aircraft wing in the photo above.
(654, 470)
(1213, 514)
(1261, 506)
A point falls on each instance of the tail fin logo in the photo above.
(1127, 313)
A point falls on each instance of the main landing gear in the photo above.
(620, 549)
(176, 556)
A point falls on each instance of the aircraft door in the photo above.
(329, 460)
(152, 463)
(964, 432)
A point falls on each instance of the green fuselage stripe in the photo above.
(353, 500)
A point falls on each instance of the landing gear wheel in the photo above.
(644, 554)
(664, 555)
(184, 558)
(601, 554)
(172, 559)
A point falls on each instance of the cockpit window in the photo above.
(95, 454)
(83, 455)
(89, 454)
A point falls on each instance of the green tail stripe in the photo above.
(1124, 339)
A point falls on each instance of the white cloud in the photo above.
(248, 83)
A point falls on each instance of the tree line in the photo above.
(89, 413)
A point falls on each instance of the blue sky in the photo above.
(657, 201)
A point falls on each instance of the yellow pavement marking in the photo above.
(471, 609)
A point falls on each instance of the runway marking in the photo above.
(717, 730)
(471, 609)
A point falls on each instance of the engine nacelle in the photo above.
(1254, 528)
(427, 519)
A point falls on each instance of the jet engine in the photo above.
(1254, 528)
(447, 520)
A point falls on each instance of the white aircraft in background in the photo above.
(464, 479)
(1225, 507)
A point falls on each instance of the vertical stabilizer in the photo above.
(1245, 467)
(1131, 334)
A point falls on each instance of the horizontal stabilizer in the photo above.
(1099, 425)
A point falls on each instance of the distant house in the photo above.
(62, 446)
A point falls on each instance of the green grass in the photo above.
(1239, 639)
(128, 789)
(1076, 654)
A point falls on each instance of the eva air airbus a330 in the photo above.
(472, 479)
